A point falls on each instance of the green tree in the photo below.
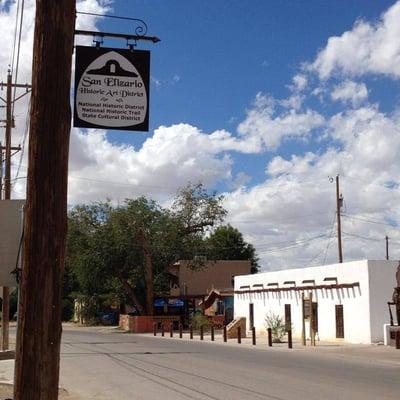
(227, 243)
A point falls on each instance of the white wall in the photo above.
(355, 301)
(382, 280)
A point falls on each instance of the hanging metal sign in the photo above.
(112, 88)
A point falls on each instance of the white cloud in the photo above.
(299, 83)
(265, 128)
(155, 81)
(169, 159)
(289, 216)
(297, 201)
(349, 91)
(7, 23)
(367, 48)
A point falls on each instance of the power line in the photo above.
(27, 121)
(367, 220)
(368, 182)
(18, 51)
(289, 247)
(330, 239)
(328, 242)
(362, 237)
(15, 37)
(286, 218)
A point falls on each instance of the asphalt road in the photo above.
(101, 365)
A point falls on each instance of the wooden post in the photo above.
(45, 226)
(269, 337)
(387, 247)
(312, 333)
(239, 335)
(180, 330)
(5, 314)
(212, 333)
(155, 328)
(253, 333)
(201, 332)
(162, 329)
(191, 331)
(225, 334)
(290, 340)
(171, 329)
(303, 323)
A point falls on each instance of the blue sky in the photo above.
(263, 101)
(215, 56)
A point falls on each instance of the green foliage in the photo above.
(277, 325)
(198, 210)
(13, 303)
(227, 243)
(199, 320)
(106, 244)
(88, 307)
(67, 310)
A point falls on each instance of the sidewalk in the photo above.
(7, 381)
(374, 353)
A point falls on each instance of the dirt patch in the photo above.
(6, 393)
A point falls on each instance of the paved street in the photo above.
(105, 365)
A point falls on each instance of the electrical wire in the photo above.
(367, 220)
(362, 237)
(330, 239)
(290, 247)
(18, 52)
(27, 121)
(15, 38)
(286, 218)
(328, 243)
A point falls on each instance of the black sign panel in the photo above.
(112, 88)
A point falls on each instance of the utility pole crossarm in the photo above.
(16, 85)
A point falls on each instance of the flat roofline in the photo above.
(301, 288)
(307, 267)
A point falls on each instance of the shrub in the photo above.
(67, 310)
(277, 325)
(200, 320)
(88, 307)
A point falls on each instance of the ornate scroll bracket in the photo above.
(140, 31)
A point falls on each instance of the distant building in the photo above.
(189, 288)
(212, 275)
(349, 300)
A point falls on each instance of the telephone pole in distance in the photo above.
(339, 204)
(9, 124)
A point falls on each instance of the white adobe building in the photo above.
(349, 299)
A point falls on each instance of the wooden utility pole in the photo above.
(45, 225)
(387, 248)
(5, 312)
(9, 123)
(339, 203)
(1, 171)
